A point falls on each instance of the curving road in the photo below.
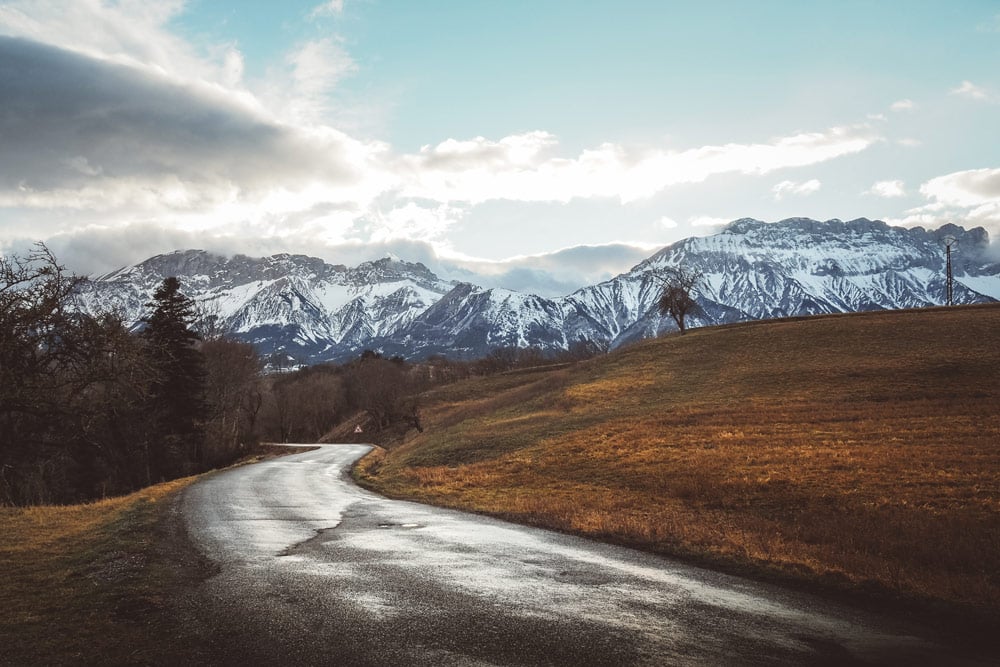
(314, 570)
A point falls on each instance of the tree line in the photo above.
(91, 408)
(382, 392)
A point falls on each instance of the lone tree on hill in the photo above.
(679, 283)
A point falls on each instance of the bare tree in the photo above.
(676, 300)
(73, 391)
(233, 393)
(39, 355)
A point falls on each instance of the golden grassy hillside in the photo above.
(857, 450)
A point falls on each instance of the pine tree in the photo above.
(177, 394)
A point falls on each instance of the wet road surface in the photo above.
(315, 570)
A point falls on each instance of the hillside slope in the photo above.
(860, 451)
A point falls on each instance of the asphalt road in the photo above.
(314, 570)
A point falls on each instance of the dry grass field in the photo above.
(104, 583)
(859, 451)
(91, 584)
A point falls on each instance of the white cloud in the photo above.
(521, 151)
(414, 221)
(969, 188)
(127, 33)
(112, 142)
(969, 198)
(157, 143)
(971, 91)
(707, 221)
(317, 67)
(903, 105)
(330, 8)
(232, 67)
(521, 167)
(667, 223)
(909, 142)
(888, 189)
(785, 188)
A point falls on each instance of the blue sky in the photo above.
(487, 139)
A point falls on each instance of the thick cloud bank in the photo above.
(79, 132)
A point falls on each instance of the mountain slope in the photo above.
(470, 320)
(755, 270)
(305, 308)
(293, 304)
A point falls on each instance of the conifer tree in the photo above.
(177, 394)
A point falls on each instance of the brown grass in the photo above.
(88, 584)
(862, 451)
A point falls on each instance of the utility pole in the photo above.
(949, 241)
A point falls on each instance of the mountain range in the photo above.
(311, 311)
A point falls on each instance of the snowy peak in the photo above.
(315, 311)
(391, 269)
(291, 303)
(469, 321)
(755, 270)
(856, 246)
(206, 269)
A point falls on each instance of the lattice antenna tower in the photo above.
(949, 241)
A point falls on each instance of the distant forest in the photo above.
(90, 408)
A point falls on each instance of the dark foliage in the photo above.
(89, 409)
(234, 395)
(176, 401)
(382, 393)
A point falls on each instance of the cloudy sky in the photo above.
(540, 145)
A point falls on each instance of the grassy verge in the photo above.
(105, 582)
(856, 452)
(94, 583)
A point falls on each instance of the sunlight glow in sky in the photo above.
(540, 145)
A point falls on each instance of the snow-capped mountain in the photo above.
(469, 321)
(293, 304)
(756, 270)
(314, 311)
